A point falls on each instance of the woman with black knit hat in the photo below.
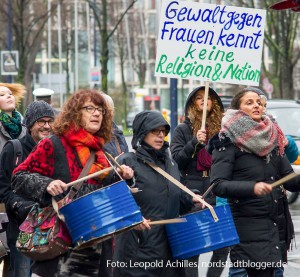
(145, 251)
(188, 146)
(247, 158)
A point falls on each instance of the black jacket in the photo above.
(263, 223)
(184, 148)
(158, 199)
(7, 166)
(118, 143)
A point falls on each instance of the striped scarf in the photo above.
(84, 142)
(259, 138)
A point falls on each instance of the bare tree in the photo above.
(122, 53)
(28, 19)
(101, 11)
(280, 38)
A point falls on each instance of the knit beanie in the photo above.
(37, 110)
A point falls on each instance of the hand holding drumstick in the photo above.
(125, 171)
(144, 225)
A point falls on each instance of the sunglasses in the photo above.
(158, 131)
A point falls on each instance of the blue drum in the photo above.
(101, 214)
(200, 233)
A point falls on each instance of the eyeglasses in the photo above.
(91, 109)
(158, 131)
(42, 122)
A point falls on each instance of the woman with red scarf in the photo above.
(248, 156)
(84, 124)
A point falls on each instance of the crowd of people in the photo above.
(238, 153)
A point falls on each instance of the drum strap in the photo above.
(84, 172)
(184, 188)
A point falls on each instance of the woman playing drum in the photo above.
(84, 124)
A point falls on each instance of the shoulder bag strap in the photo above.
(18, 151)
(117, 145)
(184, 188)
(84, 172)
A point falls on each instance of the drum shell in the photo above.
(201, 233)
(100, 214)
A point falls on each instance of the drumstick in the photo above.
(284, 179)
(167, 221)
(114, 161)
(133, 190)
(90, 176)
(205, 105)
(184, 188)
(208, 191)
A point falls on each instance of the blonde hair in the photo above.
(17, 90)
(109, 100)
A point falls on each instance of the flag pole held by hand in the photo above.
(205, 105)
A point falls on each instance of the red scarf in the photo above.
(83, 142)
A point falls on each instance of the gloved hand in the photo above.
(22, 208)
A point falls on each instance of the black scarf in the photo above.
(157, 155)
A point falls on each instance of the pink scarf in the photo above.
(259, 138)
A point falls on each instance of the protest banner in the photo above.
(210, 42)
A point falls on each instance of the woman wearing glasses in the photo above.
(145, 250)
(84, 124)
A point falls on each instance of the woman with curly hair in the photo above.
(83, 125)
(188, 146)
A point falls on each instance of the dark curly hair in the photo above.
(71, 114)
(236, 100)
(213, 118)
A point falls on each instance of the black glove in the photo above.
(212, 144)
(22, 208)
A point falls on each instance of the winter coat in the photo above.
(158, 199)
(185, 147)
(263, 223)
(4, 190)
(291, 150)
(118, 143)
(31, 178)
(7, 166)
(4, 135)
